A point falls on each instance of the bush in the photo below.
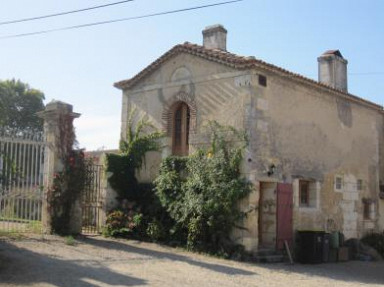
(201, 192)
(141, 137)
(376, 241)
(155, 231)
(123, 224)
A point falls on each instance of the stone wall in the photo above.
(306, 132)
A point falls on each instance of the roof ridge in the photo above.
(235, 61)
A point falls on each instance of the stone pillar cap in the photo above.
(56, 107)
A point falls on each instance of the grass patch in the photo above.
(14, 235)
(69, 240)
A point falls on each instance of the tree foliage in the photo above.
(18, 107)
(141, 137)
(138, 200)
(201, 192)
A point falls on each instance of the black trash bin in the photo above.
(326, 246)
(311, 246)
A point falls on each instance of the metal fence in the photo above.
(92, 200)
(21, 182)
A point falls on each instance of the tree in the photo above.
(18, 107)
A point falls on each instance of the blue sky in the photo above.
(80, 66)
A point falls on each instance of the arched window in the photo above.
(180, 130)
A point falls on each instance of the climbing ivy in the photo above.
(141, 137)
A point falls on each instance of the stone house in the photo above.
(315, 151)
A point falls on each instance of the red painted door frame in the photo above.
(284, 226)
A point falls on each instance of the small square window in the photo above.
(359, 184)
(262, 80)
(338, 183)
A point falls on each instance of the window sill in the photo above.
(308, 208)
(369, 220)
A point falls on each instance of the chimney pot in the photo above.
(215, 37)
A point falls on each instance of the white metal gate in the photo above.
(21, 182)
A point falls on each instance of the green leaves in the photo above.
(18, 107)
(201, 191)
(141, 137)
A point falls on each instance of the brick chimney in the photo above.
(215, 37)
(333, 70)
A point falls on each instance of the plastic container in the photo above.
(311, 246)
(326, 247)
(335, 240)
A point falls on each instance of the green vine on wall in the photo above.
(137, 200)
(141, 137)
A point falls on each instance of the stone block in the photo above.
(351, 217)
(262, 104)
(262, 126)
(253, 197)
(250, 243)
(348, 195)
(347, 206)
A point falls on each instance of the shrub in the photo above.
(141, 137)
(376, 241)
(123, 224)
(155, 231)
(69, 240)
(201, 192)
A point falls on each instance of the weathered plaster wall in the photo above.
(215, 90)
(311, 134)
(381, 171)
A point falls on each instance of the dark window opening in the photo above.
(338, 183)
(367, 210)
(180, 134)
(304, 193)
(262, 80)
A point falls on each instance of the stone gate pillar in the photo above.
(55, 153)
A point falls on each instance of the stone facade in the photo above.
(300, 131)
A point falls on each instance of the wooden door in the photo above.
(284, 215)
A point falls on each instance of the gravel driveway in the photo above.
(96, 261)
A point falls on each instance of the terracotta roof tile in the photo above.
(237, 62)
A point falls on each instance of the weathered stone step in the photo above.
(268, 256)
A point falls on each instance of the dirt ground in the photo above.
(96, 261)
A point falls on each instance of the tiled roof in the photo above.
(234, 61)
